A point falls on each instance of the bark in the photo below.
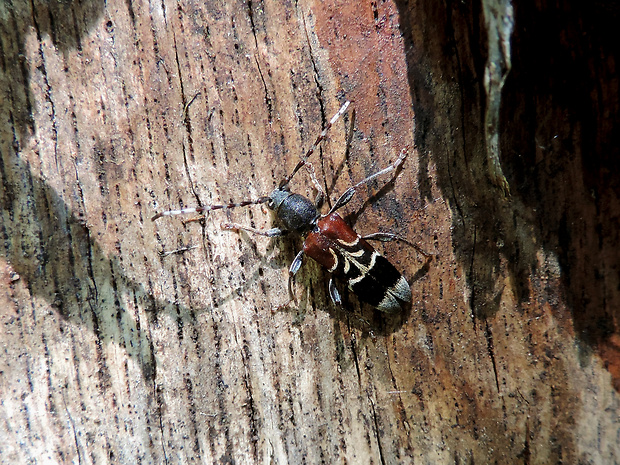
(126, 340)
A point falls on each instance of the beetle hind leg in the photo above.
(387, 237)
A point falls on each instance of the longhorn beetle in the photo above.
(328, 239)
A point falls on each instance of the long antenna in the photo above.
(318, 140)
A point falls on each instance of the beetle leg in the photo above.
(196, 219)
(274, 232)
(320, 193)
(292, 271)
(333, 292)
(348, 194)
(387, 237)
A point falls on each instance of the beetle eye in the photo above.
(270, 204)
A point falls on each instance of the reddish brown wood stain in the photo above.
(366, 51)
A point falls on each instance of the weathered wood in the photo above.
(126, 340)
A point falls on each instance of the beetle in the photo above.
(329, 240)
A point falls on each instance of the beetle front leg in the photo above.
(334, 293)
(292, 271)
(274, 232)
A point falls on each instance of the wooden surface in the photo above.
(128, 341)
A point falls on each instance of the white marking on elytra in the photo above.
(373, 260)
(354, 281)
(358, 253)
(401, 289)
(353, 243)
(389, 303)
(347, 265)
